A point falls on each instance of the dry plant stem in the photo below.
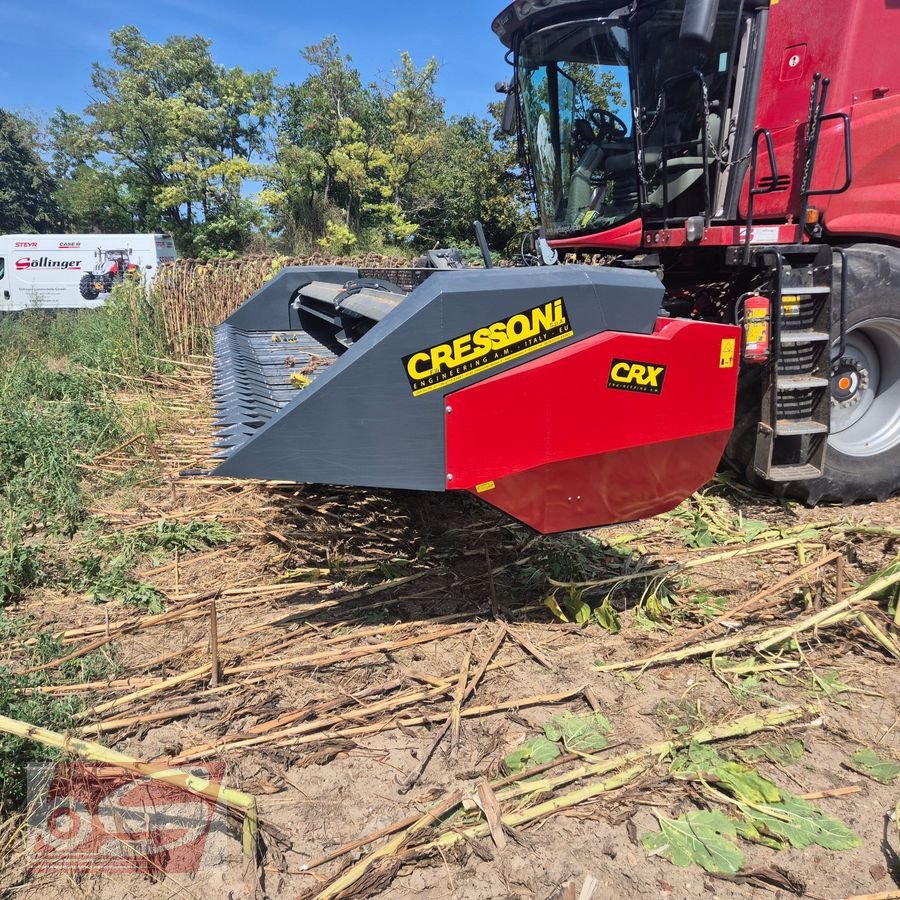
(531, 649)
(830, 612)
(833, 793)
(879, 636)
(642, 759)
(751, 603)
(347, 879)
(490, 809)
(692, 563)
(214, 643)
(162, 716)
(463, 692)
(768, 639)
(307, 661)
(459, 696)
(234, 799)
(738, 728)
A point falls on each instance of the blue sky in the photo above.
(46, 48)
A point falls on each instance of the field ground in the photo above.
(353, 627)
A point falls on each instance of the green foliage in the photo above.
(27, 203)
(338, 239)
(768, 815)
(169, 536)
(105, 582)
(782, 753)
(171, 140)
(797, 822)
(707, 521)
(867, 762)
(607, 617)
(19, 567)
(579, 733)
(181, 132)
(19, 701)
(534, 752)
(50, 423)
(703, 838)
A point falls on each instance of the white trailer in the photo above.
(74, 271)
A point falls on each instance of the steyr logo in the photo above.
(645, 378)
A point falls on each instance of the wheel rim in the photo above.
(865, 390)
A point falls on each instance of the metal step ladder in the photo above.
(792, 435)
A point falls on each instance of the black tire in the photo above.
(88, 287)
(855, 468)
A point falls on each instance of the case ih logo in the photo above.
(28, 245)
(70, 245)
(44, 262)
(91, 818)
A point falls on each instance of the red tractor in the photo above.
(111, 268)
(734, 163)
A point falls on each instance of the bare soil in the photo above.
(331, 601)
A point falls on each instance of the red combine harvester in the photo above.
(736, 162)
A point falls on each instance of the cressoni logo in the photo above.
(492, 345)
(644, 378)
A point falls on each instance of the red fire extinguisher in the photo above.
(757, 320)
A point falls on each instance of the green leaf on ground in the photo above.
(832, 687)
(583, 733)
(800, 823)
(739, 781)
(707, 839)
(870, 764)
(606, 617)
(534, 752)
(782, 753)
(753, 528)
(553, 605)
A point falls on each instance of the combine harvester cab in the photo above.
(559, 395)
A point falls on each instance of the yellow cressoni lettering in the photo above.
(482, 341)
(413, 366)
(442, 355)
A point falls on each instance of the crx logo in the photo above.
(628, 375)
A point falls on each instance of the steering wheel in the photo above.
(608, 125)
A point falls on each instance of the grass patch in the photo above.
(51, 422)
(19, 700)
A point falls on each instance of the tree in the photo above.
(27, 201)
(473, 176)
(331, 135)
(90, 193)
(181, 134)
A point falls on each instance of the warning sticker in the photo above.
(726, 356)
(500, 342)
(484, 488)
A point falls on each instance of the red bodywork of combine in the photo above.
(846, 41)
(849, 43)
(578, 451)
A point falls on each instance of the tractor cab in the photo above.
(114, 262)
(626, 113)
